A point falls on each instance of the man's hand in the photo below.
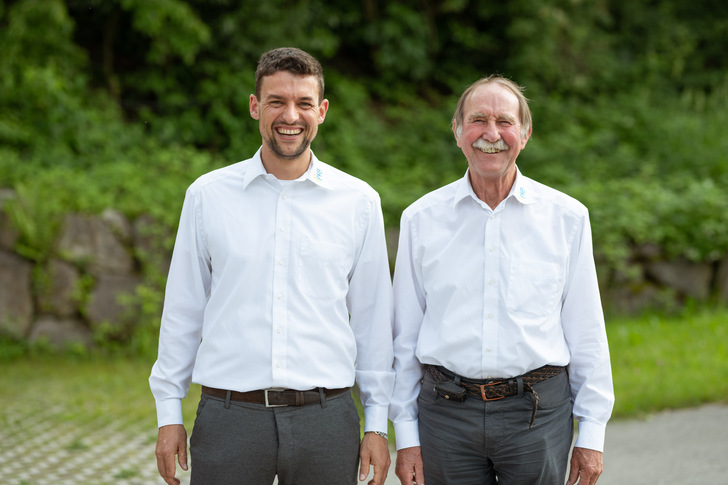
(586, 466)
(171, 441)
(409, 466)
(375, 452)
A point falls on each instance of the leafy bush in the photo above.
(123, 103)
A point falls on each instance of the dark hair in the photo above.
(524, 110)
(291, 60)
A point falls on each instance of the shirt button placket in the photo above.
(491, 280)
(281, 276)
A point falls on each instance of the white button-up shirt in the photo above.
(277, 285)
(497, 293)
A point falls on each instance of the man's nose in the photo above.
(290, 113)
(491, 133)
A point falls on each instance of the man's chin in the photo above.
(288, 155)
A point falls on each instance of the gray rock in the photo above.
(58, 293)
(106, 305)
(119, 224)
(149, 244)
(16, 298)
(9, 235)
(91, 242)
(721, 279)
(61, 332)
(686, 277)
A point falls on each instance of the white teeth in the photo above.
(490, 150)
(283, 131)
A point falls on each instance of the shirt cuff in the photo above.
(169, 411)
(407, 434)
(591, 436)
(375, 418)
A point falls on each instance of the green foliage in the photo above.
(123, 103)
(649, 171)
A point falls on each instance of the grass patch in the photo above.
(669, 362)
(658, 363)
(89, 389)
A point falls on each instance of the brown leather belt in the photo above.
(276, 397)
(496, 389)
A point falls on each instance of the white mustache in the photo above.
(483, 145)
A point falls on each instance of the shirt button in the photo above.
(284, 196)
(492, 216)
(491, 249)
(490, 315)
(278, 365)
(280, 296)
(280, 262)
(278, 330)
(491, 282)
(282, 229)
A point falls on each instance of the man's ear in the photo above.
(457, 130)
(254, 107)
(323, 109)
(526, 138)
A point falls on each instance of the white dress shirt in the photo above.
(277, 285)
(498, 293)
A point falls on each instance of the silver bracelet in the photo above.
(379, 433)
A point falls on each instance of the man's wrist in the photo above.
(379, 433)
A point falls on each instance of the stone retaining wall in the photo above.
(96, 265)
(99, 260)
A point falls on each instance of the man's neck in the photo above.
(284, 169)
(492, 191)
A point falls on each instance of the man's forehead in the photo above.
(283, 83)
(492, 99)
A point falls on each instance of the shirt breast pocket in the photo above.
(322, 270)
(533, 287)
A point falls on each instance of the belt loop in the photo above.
(519, 380)
(322, 396)
(227, 399)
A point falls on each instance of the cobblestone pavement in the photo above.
(686, 446)
(36, 450)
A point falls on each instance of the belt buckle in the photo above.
(268, 404)
(482, 391)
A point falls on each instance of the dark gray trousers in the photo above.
(484, 443)
(244, 443)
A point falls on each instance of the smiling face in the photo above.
(289, 113)
(490, 135)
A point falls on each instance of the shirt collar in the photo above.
(318, 172)
(522, 190)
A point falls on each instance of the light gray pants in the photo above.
(244, 443)
(484, 443)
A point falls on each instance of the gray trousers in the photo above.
(484, 443)
(244, 443)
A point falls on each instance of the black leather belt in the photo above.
(275, 397)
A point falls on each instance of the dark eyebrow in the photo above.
(278, 96)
